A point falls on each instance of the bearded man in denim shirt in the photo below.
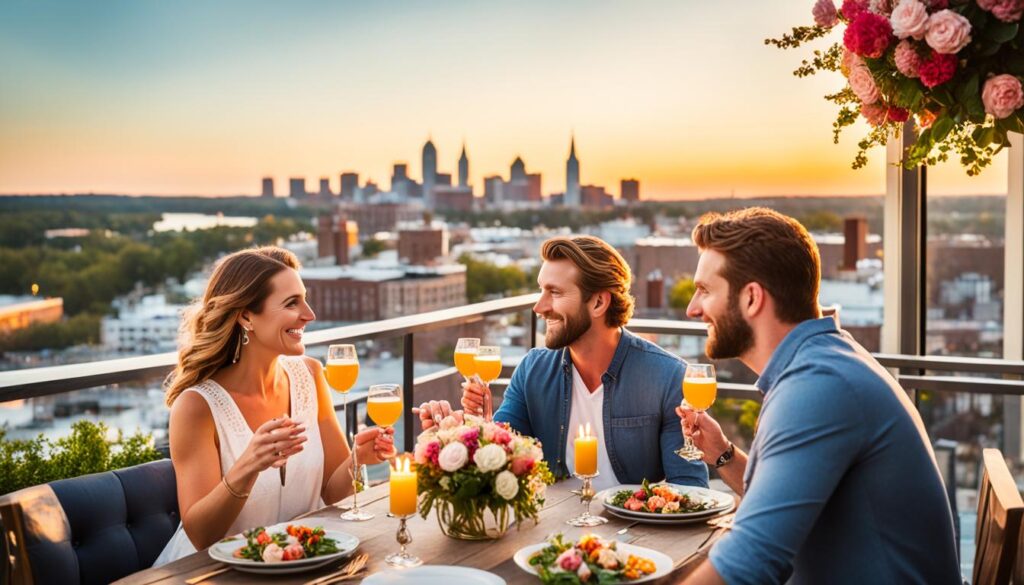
(841, 484)
(592, 371)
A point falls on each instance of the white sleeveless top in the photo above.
(268, 502)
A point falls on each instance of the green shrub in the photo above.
(29, 462)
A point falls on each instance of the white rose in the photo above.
(506, 484)
(490, 458)
(273, 553)
(453, 456)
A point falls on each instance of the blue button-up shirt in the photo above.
(841, 481)
(642, 387)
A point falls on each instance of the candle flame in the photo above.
(583, 432)
(400, 465)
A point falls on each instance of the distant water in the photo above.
(176, 222)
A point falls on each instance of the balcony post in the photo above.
(532, 318)
(904, 250)
(408, 393)
(1013, 293)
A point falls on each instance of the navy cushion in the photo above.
(102, 527)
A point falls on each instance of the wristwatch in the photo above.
(725, 457)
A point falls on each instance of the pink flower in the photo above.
(875, 114)
(522, 465)
(569, 560)
(883, 7)
(1004, 10)
(850, 62)
(937, 69)
(1002, 95)
(868, 35)
(947, 32)
(501, 437)
(896, 114)
(853, 8)
(432, 452)
(825, 14)
(907, 59)
(863, 84)
(909, 19)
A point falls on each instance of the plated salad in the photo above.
(658, 499)
(297, 542)
(591, 560)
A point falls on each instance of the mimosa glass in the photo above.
(699, 389)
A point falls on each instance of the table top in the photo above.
(685, 544)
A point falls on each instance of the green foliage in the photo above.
(373, 246)
(485, 280)
(80, 329)
(29, 462)
(681, 294)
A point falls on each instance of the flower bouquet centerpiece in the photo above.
(955, 66)
(478, 475)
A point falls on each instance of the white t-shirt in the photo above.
(588, 407)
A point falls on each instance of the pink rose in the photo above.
(875, 114)
(909, 19)
(907, 59)
(863, 84)
(825, 14)
(502, 437)
(1002, 95)
(853, 8)
(850, 62)
(868, 35)
(522, 465)
(1004, 10)
(947, 32)
(937, 69)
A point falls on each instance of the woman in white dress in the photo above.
(246, 404)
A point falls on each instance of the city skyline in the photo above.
(194, 99)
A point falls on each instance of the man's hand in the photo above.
(432, 413)
(706, 433)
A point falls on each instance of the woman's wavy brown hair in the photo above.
(601, 268)
(210, 333)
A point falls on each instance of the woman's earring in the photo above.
(238, 352)
(245, 336)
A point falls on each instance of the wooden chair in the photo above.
(1000, 509)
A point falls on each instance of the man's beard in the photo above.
(573, 327)
(732, 337)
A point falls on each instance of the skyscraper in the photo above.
(429, 171)
(297, 188)
(268, 187)
(463, 168)
(518, 170)
(349, 184)
(325, 189)
(629, 190)
(572, 177)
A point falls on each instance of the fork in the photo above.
(345, 572)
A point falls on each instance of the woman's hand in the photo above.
(375, 445)
(273, 443)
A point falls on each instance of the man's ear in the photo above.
(753, 299)
(602, 300)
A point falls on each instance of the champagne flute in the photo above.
(699, 389)
(341, 371)
(465, 351)
(384, 404)
(487, 362)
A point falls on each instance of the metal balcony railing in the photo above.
(912, 371)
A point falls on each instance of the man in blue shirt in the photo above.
(841, 485)
(594, 372)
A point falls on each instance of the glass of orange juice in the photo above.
(341, 371)
(384, 404)
(487, 362)
(465, 351)
(699, 389)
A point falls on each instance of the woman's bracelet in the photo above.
(224, 480)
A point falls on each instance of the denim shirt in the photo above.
(841, 482)
(642, 387)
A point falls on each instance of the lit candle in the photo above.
(586, 452)
(402, 485)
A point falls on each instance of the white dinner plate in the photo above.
(434, 575)
(721, 502)
(224, 552)
(662, 562)
(666, 519)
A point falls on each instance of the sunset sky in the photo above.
(205, 98)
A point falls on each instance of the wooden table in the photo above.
(685, 544)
